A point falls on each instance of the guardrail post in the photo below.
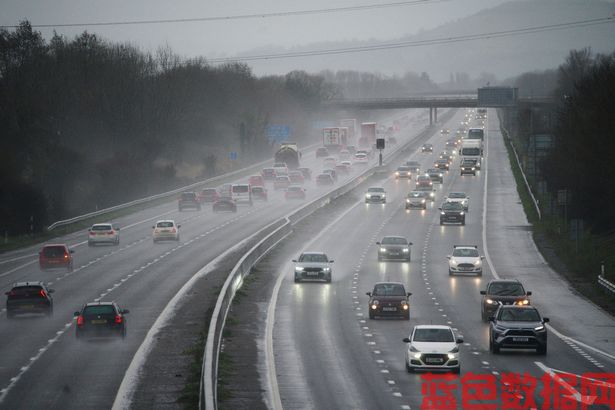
(602, 268)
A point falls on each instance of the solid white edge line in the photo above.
(274, 392)
(495, 274)
(125, 393)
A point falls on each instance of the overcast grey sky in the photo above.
(225, 38)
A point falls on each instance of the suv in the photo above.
(103, 233)
(518, 327)
(389, 299)
(465, 259)
(394, 247)
(101, 319)
(502, 292)
(313, 265)
(56, 256)
(29, 297)
(189, 200)
(452, 212)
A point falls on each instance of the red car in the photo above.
(208, 195)
(56, 256)
(256, 180)
(268, 174)
(281, 182)
(296, 177)
(294, 192)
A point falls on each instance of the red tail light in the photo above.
(42, 293)
(92, 233)
(118, 319)
(65, 255)
(12, 293)
(174, 230)
(80, 320)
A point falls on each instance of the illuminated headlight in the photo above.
(454, 261)
(407, 201)
(473, 169)
(491, 302)
(461, 213)
(442, 213)
(326, 270)
(384, 195)
(451, 355)
(375, 305)
(368, 196)
(406, 250)
(408, 173)
(430, 183)
(298, 268)
(541, 327)
(522, 302)
(383, 249)
(397, 173)
(441, 175)
(417, 355)
(431, 194)
(477, 263)
(405, 306)
(422, 201)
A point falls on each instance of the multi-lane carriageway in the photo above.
(317, 349)
(41, 363)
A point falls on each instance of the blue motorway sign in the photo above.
(232, 156)
(278, 132)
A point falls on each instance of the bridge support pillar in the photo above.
(435, 114)
(430, 116)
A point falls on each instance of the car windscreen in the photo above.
(391, 240)
(164, 225)
(519, 315)
(313, 257)
(98, 310)
(241, 189)
(387, 289)
(456, 195)
(416, 194)
(375, 189)
(475, 134)
(101, 228)
(209, 191)
(433, 335)
(257, 190)
(53, 251)
(506, 289)
(295, 188)
(470, 151)
(403, 169)
(188, 196)
(452, 206)
(465, 252)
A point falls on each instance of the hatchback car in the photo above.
(103, 233)
(54, 256)
(403, 172)
(224, 204)
(416, 199)
(322, 152)
(467, 166)
(430, 193)
(389, 299)
(296, 177)
(208, 195)
(452, 212)
(259, 193)
(442, 164)
(460, 197)
(29, 297)
(424, 181)
(165, 230)
(188, 200)
(281, 182)
(375, 195)
(294, 192)
(268, 174)
(427, 148)
(517, 327)
(502, 292)
(433, 347)
(99, 319)
(394, 247)
(465, 259)
(324, 180)
(313, 266)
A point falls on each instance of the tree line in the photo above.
(86, 123)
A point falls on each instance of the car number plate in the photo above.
(389, 309)
(312, 273)
(520, 339)
(98, 321)
(433, 360)
(27, 306)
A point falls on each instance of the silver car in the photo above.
(313, 266)
(103, 233)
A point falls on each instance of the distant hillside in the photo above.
(504, 57)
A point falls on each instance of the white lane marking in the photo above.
(496, 276)
(274, 392)
(17, 258)
(571, 390)
(8, 272)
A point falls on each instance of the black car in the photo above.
(468, 167)
(224, 204)
(389, 299)
(101, 319)
(442, 164)
(452, 212)
(189, 200)
(394, 247)
(436, 175)
(29, 297)
(502, 292)
(518, 327)
(427, 148)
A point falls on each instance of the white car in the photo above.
(465, 259)
(166, 230)
(460, 197)
(313, 266)
(432, 347)
(103, 233)
(361, 158)
(375, 194)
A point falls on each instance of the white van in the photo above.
(241, 194)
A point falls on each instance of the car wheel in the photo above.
(441, 222)
(409, 369)
(450, 272)
(495, 348)
(483, 315)
(463, 222)
(9, 314)
(328, 280)
(457, 370)
(90, 243)
(297, 280)
(542, 350)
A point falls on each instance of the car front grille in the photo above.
(520, 332)
(312, 269)
(465, 265)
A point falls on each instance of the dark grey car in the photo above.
(518, 327)
(394, 248)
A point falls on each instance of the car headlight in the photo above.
(298, 268)
(491, 302)
(442, 213)
(473, 169)
(441, 175)
(477, 263)
(397, 173)
(405, 305)
(461, 213)
(422, 201)
(407, 201)
(383, 249)
(454, 261)
(327, 270)
(384, 195)
(368, 196)
(408, 173)
(406, 250)
(374, 305)
(451, 355)
(431, 194)
(417, 355)
(522, 302)
(541, 327)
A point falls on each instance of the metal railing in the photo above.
(606, 284)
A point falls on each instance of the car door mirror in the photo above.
(7, 293)
(294, 260)
(528, 293)
(545, 320)
(409, 294)
(331, 261)
(483, 292)
(406, 340)
(492, 318)
(369, 294)
(51, 290)
(377, 243)
(410, 244)
(124, 311)
(76, 314)
(71, 250)
(482, 258)
(448, 256)
(459, 340)
(440, 209)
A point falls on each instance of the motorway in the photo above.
(323, 351)
(42, 365)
